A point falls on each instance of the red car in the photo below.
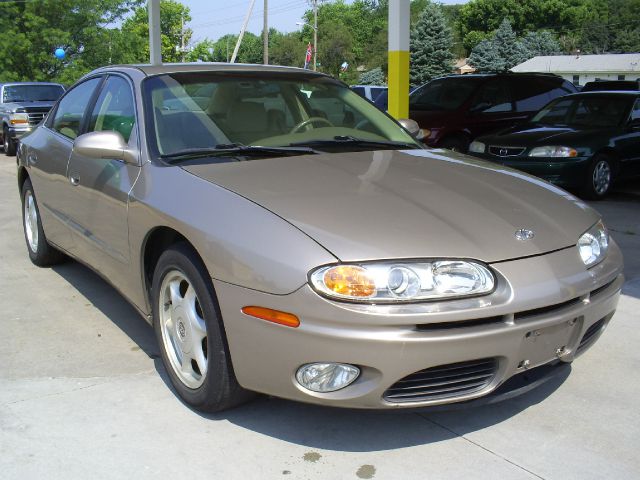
(457, 108)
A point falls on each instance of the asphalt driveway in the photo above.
(83, 395)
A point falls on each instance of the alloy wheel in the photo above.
(31, 221)
(184, 330)
(601, 177)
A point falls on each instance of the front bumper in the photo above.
(545, 309)
(16, 133)
(564, 172)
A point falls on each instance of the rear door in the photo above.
(48, 154)
(101, 185)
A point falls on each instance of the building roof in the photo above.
(614, 62)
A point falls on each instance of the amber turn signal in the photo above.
(275, 316)
(350, 280)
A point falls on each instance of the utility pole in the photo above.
(182, 37)
(315, 35)
(155, 45)
(265, 36)
(244, 27)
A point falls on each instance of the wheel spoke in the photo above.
(198, 355)
(174, 293)
(198, 327)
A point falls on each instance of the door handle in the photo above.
(75, 181)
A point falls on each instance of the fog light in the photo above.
(326, 377)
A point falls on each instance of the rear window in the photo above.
(31, 93)
(531, 94)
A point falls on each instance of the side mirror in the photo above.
(106, 144)
(412, 127)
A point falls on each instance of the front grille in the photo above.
(600, 289)
(548, 309)
(499, 151)
(430, 327)
(444, 381)
(35, 117)
(591, 334)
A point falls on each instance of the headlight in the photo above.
(553, 151)
(593, 244)
(392, 282)
(477, 147)
(18, 119)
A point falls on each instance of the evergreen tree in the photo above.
(485, 57)
(540, 43)
(509, 48)
(431, 44)
(372, 77)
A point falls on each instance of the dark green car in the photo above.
(581, 142)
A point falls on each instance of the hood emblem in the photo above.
(524, 234)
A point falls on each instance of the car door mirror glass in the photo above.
(105, 144)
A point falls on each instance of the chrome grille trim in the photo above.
(500, 151)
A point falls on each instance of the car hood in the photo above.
(539, 135)
(407, 204)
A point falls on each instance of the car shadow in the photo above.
(312, 426)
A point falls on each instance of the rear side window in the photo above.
(493, 97)
(443, 95)
(114, 109)
(531, 94)
(70, 112)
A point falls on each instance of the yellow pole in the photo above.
(399, 58)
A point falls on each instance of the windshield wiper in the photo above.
(234, 149)
(339, 140)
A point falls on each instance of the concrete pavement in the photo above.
(83, 395)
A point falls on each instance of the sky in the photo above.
(215, 18)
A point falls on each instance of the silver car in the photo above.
(284, 236)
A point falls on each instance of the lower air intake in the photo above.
(443, 381)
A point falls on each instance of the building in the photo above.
(581, 69)
(462, 66)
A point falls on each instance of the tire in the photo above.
(40, 251)
(455, 144)
(190, 333)
(8, 144)
(599, 178)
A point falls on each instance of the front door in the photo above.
(101, 185)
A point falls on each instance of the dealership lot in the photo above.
(83, 394)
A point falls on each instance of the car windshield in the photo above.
(592, 111)
(31, 93)
(445, 94)
(205, 110)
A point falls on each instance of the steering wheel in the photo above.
(310, 120)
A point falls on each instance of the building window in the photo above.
(620, 77)
(576, 80)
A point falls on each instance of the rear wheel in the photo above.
(599, 178)
(40, 252)
(8, 144)
(190, 333)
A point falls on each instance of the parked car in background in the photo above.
(280, 248)
(370, 92)
(22, 106)
(609, 85)
(583, 141)
(457, 108)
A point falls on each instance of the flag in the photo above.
(307, 58)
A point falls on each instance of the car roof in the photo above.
(607, 93)
(151, 70)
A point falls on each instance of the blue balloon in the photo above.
(59, 53)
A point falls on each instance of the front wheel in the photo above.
(599, 178)
(8, 144)
(40, 252)
(190, 333)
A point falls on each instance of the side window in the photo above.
(114, 109)
(531, 94)
(635, 112)
(493, 97)
(68, 117)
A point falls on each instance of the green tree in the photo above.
(287, 49)
(31, 31)
(431, 44)
(509, 48)
(540, 43)
(372, 77)
(135, 29)
(485, 57)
